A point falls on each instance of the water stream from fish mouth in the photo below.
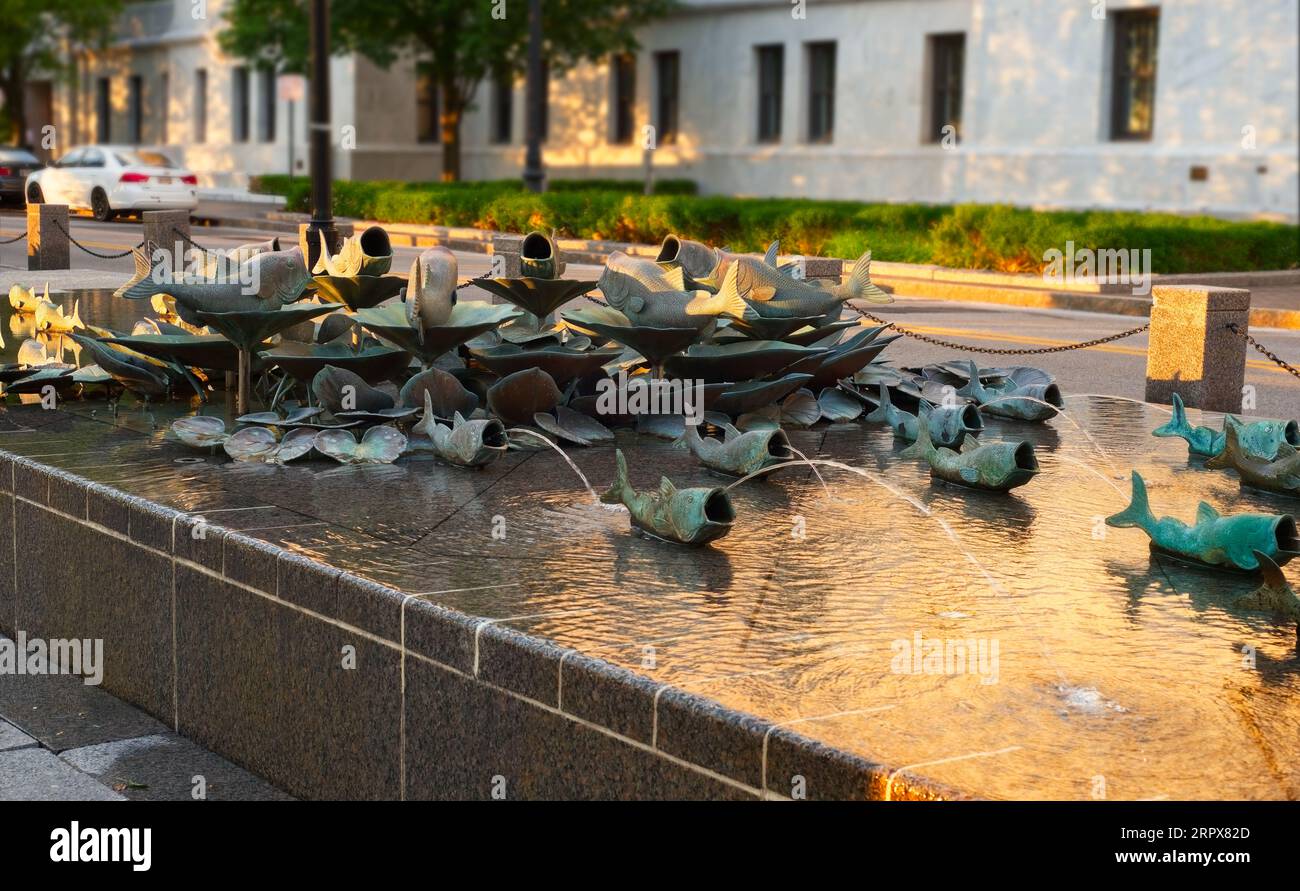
(595, 499)
(1118, 673)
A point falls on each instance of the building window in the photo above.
(164, 98)
(771, 75)
(503, 108)
(201, 105)
(821, 91)
(426, 103)
(947, 61)
(622, 67)
(103, 109)
(239, 111)
(1133, 73)
(667, 95)
(266, 119)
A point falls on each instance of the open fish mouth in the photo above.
(718, 509)
(536, 246)
(1052, 395)
(1292, 433)
(494, 435)
(374, 242)
(1285, 532)
(1025, 457)
(669, 250)
(971, 419)
(778, 446)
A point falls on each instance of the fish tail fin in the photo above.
(727, 302)
(881, 412)
(924, 445)
(859, 285)
(1232, 452)
(1177, 425)
(1138, 513)
(689, 439)
(74, 321)
(971, 389)
(141, 284)
(614, 495)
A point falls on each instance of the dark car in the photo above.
(15, 164)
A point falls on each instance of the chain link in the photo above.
(1236, 329)
(948, 344)
(125, 253)
(473, 281)
(190, 241)
(18, 237)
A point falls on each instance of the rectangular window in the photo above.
(239, 102)
(622, 67)
(426, 103)
(1133, 73)
(771, 77)
(821, 91)
(947, 62)
(164, 93)
(266, 119)
(503, 108)
(103, 108)
(201, 105)
(667, 95)
(135, 109)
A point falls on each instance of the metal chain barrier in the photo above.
(948, 344)
(473, 281)
(190, 241)
(1236, 329)
(20, 236)
(93, 253)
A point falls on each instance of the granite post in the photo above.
(168, 230)
(47, 236)
(827, 268)
(1192, 351)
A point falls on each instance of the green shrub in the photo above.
(997, 237)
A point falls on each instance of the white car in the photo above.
(110, 179)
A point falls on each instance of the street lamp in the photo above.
(318, 135)
(534, 98)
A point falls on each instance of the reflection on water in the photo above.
(851, 614)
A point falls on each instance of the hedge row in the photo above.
(994, 237)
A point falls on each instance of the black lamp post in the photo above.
(318, 135)
(535, 99)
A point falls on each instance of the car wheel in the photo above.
(99, 206)
(34, 195)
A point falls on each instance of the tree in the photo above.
(463, 41)
(35, 38)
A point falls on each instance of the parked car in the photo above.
(15, 164)
(110, 179)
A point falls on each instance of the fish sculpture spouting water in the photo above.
(1280, 475)
(431, 289)
(281, 277)
(1033, 402)
(949, 425)
(691, 517)
(992, 466)
(539, 257)
(903, 423)
(51, 319)
(675, 308)
(1214, 540)
(1275, 595)
(463, 443)
(1260, 439)
(738, 454)
(774, 293)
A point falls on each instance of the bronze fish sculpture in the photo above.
(738, 454)
(1214, 540)
(1261, 439)
(463, 443)
(1032, 402)
(1275, 595)
(280, 276)
(903, 423)
(686, 516)
(673, 307)
(774, 293)
(24, 300)
(993, 466)
(539, 257)
(431, 289)
(51, 319)
(1281, 475)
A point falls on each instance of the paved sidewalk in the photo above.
(62, 740)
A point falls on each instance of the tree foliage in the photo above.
(463, 41)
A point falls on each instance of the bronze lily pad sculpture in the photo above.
(339, 390)
(467, 320)
(538, 297)
(372, 362)
(573, 426)
(379, 445)
(738, 361)
(516, 398)
(654, 344)
(463, 443)
(1214, 540)
(751, 396)
(560, 362)
(200, 431)
(846, 359)
(146, 377)
(259, 445)
(686, 516)
(438, 391)
(358, 291)
(211, 351)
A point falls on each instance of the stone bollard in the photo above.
(1192, 352)
(47, 236)
(826, 268)
(505, 256)
(160, 228)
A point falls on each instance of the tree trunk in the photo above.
(449, 124)
(15, 105)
